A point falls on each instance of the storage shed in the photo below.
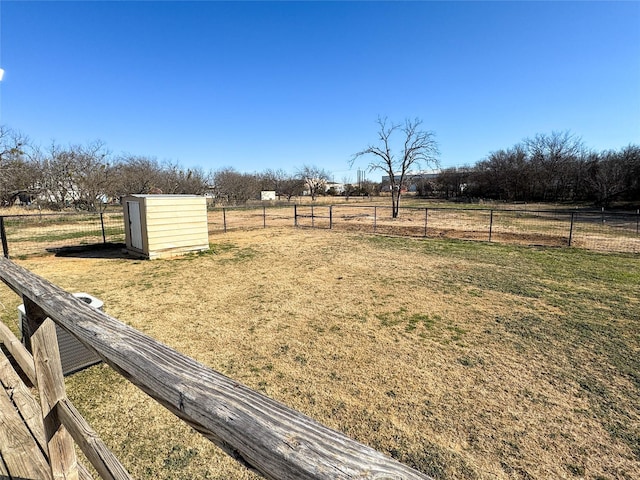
(165, 225)
(267, 195)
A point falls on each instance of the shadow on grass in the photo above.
(99, 250)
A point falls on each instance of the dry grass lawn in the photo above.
(464, 360)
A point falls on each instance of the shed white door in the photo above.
(135, 225)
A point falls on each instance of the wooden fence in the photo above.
(264, 435)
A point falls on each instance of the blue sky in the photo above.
(257, 85)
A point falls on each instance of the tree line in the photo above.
(89, 177)
(554, 167)
(83, 176)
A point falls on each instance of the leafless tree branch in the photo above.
(418, 147)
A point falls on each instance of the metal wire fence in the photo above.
(603, 231)
(24, 235)
(238, 218)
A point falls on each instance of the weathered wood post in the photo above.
(50, 380)
(103, 460)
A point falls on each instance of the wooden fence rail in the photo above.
(103, 460)
(266, 436)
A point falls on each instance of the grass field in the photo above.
(465, 360)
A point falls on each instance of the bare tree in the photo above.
(630, 155)
(11, 143)
(315, 179)
(272, 180)
(191, 181)
(504, 174)
(174, 179)
(291, 187)
(138, 175)
(58, 170)
(419, 148)
(608, 175)
(368, 188)
(551, 158)
(18, 172)
(235, 188)
(282, 182)
(79, 175)
(95, 176)
(451, 181)
(349, 188)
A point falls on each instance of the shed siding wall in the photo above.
(174, 224)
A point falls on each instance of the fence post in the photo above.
(312, 218)
(264, 217)
(104, 236)
(50, 380)
(571, 228)
(490, 224)
(295, 215)
(426, 220)
(3, 234)
(637, 222)
(330, 217)
(224, 219)
(375, 217)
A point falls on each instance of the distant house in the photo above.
(334, 187)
